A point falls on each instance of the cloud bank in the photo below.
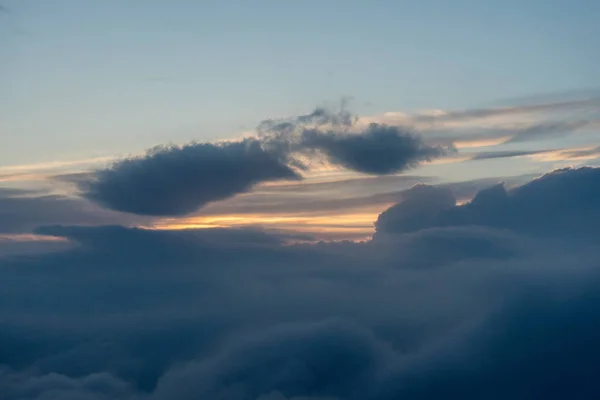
(495, 298)
(558, 202)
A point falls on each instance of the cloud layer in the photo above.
(496, 298)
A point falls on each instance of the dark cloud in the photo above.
(556, 203)
(541, 345)
(445, 309)
(173, 181)
(378, 150)
(332, 359)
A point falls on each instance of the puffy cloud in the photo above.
(378, 150)
(331, 359)
(172, 181)
(563, 202)
(420, 206)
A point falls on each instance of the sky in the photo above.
(268, 200)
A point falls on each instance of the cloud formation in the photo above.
(558, 202)
(21, 211)
(378, 150)
(173, 181)
(488, 299)
(178, 180)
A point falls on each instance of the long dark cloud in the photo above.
(179, 180)
(496, 298)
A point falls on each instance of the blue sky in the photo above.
(88, 78)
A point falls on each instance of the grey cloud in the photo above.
(460, 115)
(488, 155)
(101, 386)
(547, 130)
(558, 202)
(582, 153)
(174, 181)
(21, 211)
(328, 359)
(327, 198)
(171, 181)
(420, 206)
(378, 150)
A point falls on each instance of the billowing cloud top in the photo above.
(557, 203)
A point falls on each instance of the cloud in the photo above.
(593, 152)
(488, 155)
(175, 181)
(542, 120)
(21, 211)
(378, 150)
(547, 130)
(332, 359)
(461, 115)
(171, 181)
(561, 202)
(100, 386)
(541, 345)
(455, 304)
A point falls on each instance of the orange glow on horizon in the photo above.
(343, 226)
